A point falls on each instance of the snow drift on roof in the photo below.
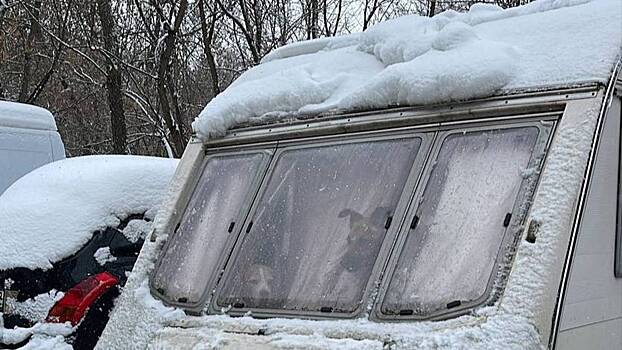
(19, 115)
(416, 60)
(51, 212)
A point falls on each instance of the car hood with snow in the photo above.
(66, 223)
(51, 212)
(547, 69)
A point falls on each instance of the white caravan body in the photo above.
(452, 220)
(28, 140)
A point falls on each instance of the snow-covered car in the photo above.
(28, 139)
(431, 183)
(69, 233)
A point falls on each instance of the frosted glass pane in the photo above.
(450, 255)
(193, 253)
(319, 227)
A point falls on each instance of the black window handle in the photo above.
(413, 224)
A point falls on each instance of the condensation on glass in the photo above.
(191, 257)
(318, 227)
(449, 256)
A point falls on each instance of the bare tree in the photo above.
(113, 77)
(166, 88)
(34, 35)
(207, 31)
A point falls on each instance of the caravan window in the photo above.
(449, 254)
(191, 257)
(318, 227)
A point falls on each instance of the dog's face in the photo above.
(363, 238)
(259, 282)
(362, 227)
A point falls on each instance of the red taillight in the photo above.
(73, 305)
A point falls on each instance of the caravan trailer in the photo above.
(434, 183)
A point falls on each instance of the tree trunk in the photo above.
(432, 8)
(113, 78)
(314, 19)
(33, 35)
(208, 35)
(175, 127)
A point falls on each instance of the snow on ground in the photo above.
(44, 336)
(103, 256)
(19, 115)
(416, 60)
(35, 309)
(55, 209)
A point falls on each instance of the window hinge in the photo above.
(231, 226)
(248, 228)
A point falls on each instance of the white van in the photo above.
(443, 183)
(28, 139)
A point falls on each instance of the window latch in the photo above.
(413, 224)
(507, 219)
(387, 223)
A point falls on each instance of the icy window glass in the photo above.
(319, 226)
(193, 252)
(449, 256)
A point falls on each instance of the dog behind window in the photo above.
(260, 286)
(258, 281)
(361, 249)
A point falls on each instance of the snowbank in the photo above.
(51, 212)
(46, 336)
(19, 115)
(417, 60)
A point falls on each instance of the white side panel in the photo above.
(592, 312)
(604, 335)
(22, 150)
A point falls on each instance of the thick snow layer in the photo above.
(417, 60)
(19, 115)
(51, 212)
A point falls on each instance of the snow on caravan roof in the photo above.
(19, 115)
(416, 60)
(52, 211)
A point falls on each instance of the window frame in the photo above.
(372, 296)
(512, 233)
(269, 150)
(426, 136)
